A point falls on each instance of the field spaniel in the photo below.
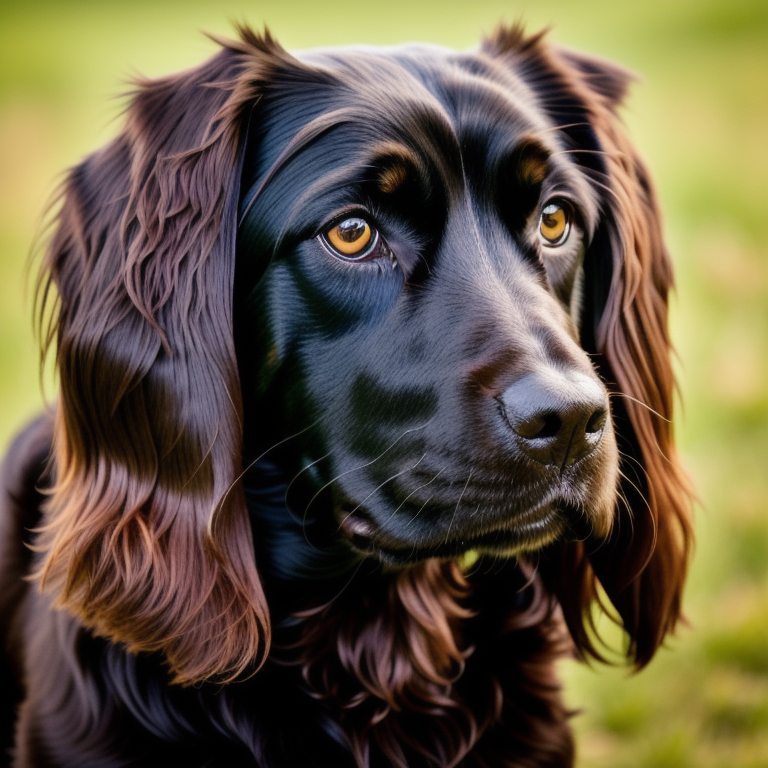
(365, 411)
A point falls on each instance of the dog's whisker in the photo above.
(304, 469)
(253, 463)
(410, 522)
(581, 151)
(376, 490)
(641, 403)
(456, 508)
(361, 466)
(563, 126)
(591, 173)
(658, 447)
(345, 586)
(301, 521)
(202, 461)
(416, 490)
(641, 495)
(651, 520)
(400, 505)
(633, 460)
(421, 508)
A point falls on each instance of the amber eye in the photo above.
(350, 237)
(555, 223)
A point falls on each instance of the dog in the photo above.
(365, 407)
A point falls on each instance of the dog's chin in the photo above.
(523, 534)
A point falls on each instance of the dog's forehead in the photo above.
(337, 115)
(470, 90)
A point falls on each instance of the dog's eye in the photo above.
(555, 223)
(352, 238)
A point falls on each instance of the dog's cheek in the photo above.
(340, 297)
(303, 333)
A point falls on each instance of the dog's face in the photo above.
(410, 277)
(388, 279)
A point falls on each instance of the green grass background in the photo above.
(700, 117)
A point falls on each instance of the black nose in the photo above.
(558, 417)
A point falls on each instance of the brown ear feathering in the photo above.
(147, 538)
(390, 326)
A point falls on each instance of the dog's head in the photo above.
(429, 286)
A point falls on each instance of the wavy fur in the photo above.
(254, 500)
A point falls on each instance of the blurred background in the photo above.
(699, 114)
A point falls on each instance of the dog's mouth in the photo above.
(525, 532)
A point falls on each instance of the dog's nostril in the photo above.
(596, 421)
(558, 418)
(538, 426)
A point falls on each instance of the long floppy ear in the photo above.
(628, 274)
(147, 537)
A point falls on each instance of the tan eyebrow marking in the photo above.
(532, 162)
(396, 163)
(390, 179)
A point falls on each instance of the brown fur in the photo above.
(153, 640)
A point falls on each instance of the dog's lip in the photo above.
(358, 528)
(536, 527)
